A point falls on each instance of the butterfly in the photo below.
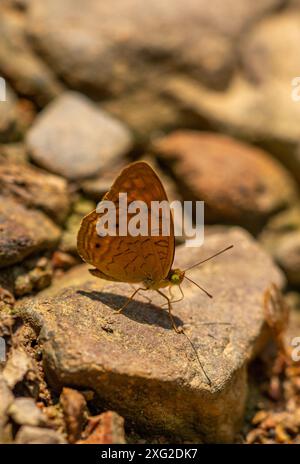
(145, 260)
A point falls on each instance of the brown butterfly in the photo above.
(146, 260)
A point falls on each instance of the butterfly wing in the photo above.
(127, 258)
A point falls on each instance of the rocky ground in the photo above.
(202, 92)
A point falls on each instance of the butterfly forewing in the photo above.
(128, 258)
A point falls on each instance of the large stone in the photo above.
(35, 189)
(136, 362)
(75, 139)
(239, 183)
(23, 232)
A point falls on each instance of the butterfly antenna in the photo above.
(197, 285)
(197, 356)
(207, 259)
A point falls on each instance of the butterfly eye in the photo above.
(175, 279)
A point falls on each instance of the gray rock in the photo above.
(23, 232)
(136, 362)
(28, 435)
(75, 139)
(16, 367)
(24, 411)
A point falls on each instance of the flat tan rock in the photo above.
(136, 363)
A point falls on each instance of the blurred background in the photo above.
(204, 91)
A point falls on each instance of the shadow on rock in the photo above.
(145, 313)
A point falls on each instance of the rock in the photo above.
(61, 260)
(105, 429)
(260, 52)
(6, 398)
(281, 238)
(69, 237)
(28, 435)
(161, 112)
(13, 152)
(257, 104)
(23, 232)
(16, 367)
(76, 276)
(33, 274)
(135, 362)
(35, 189)
(96, 187)
(74, 409)
(238, 183)
(76, 146)
(263, 52)
(29, 75)
(24, 411)
(121, 39)
(130, 54)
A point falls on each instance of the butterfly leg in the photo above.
(171, 294)
(182, 296)
(129, 299)
(177, 329)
